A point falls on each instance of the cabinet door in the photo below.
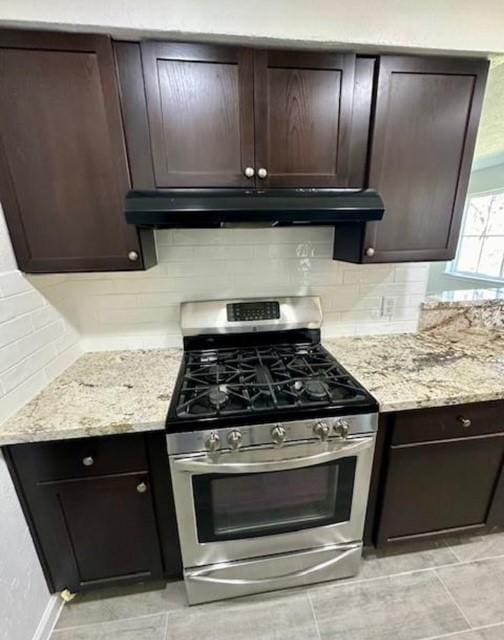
(200, 108)
(303, 115)
(97, 531)
(63, 169)
(425, 125)
(438, 487)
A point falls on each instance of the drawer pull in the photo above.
(465, 422)
(88, 461)
(142, 487)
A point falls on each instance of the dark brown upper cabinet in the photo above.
(232, 117)
(63, 166)
(200, 107)
(303, 116)
(425, 123)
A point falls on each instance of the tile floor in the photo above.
(452, 589)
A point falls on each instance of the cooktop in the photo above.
(263, 383)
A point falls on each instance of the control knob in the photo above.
(278, 434)
(341, 428)
(322, 430)
(212, 442)
(234, 439)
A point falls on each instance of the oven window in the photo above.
(234, 506)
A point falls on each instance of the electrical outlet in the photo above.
(388, 306)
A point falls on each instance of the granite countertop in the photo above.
(426, 369)
(102, 393)
(117, 392)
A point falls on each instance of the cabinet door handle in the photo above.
(133, 256)
(370, 252)
(141, 487)
(249, 172)
(262, 173)
(465, 422)
(88, 461)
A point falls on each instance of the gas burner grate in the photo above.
(228, 382)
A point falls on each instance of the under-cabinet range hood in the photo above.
(207, 208)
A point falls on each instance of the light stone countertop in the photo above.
(108, 393)
(102, 393)
(426, 369)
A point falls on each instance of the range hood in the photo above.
(209, 208)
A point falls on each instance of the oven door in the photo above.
(266, 500)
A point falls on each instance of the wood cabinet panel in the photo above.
(361, 121)
(426, 119)
(108, 525)
(303, 113)
(134, 107)
(63, 169)
(200, 106)
(65, 459)
(441, 423)
(112, 523)
(437, 487)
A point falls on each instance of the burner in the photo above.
(208, 357)
(218, 395)
(239, 382)
(316, 389)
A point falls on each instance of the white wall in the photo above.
(25, 603)
(140, 310)
(36, 344)
(458, 25)
(36, 340)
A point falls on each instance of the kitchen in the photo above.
(234, 315)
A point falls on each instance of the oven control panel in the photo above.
(251, 311)
(275, 435)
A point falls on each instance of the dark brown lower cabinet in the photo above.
(444, 479)
(93, 528)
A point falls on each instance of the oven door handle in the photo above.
(202, 465)
(205, 574)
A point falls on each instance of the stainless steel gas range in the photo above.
(271, 444)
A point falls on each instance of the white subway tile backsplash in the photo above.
(33, 330)
(416, 272)
(15, 329)
(45, 321)
(369, 274)
(171, 253)
(16, 375)
(13, 282)
(9, 356)
(14, 400)
(44, 316)
(17, 305)
(139, 309)
(67, 357)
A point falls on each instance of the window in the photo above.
(480, 252)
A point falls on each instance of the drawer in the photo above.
(85, 457)
(457, 421)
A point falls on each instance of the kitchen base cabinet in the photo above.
(439, 473)
(440, 486)
(94, 528)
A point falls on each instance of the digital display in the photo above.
(249, 311)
